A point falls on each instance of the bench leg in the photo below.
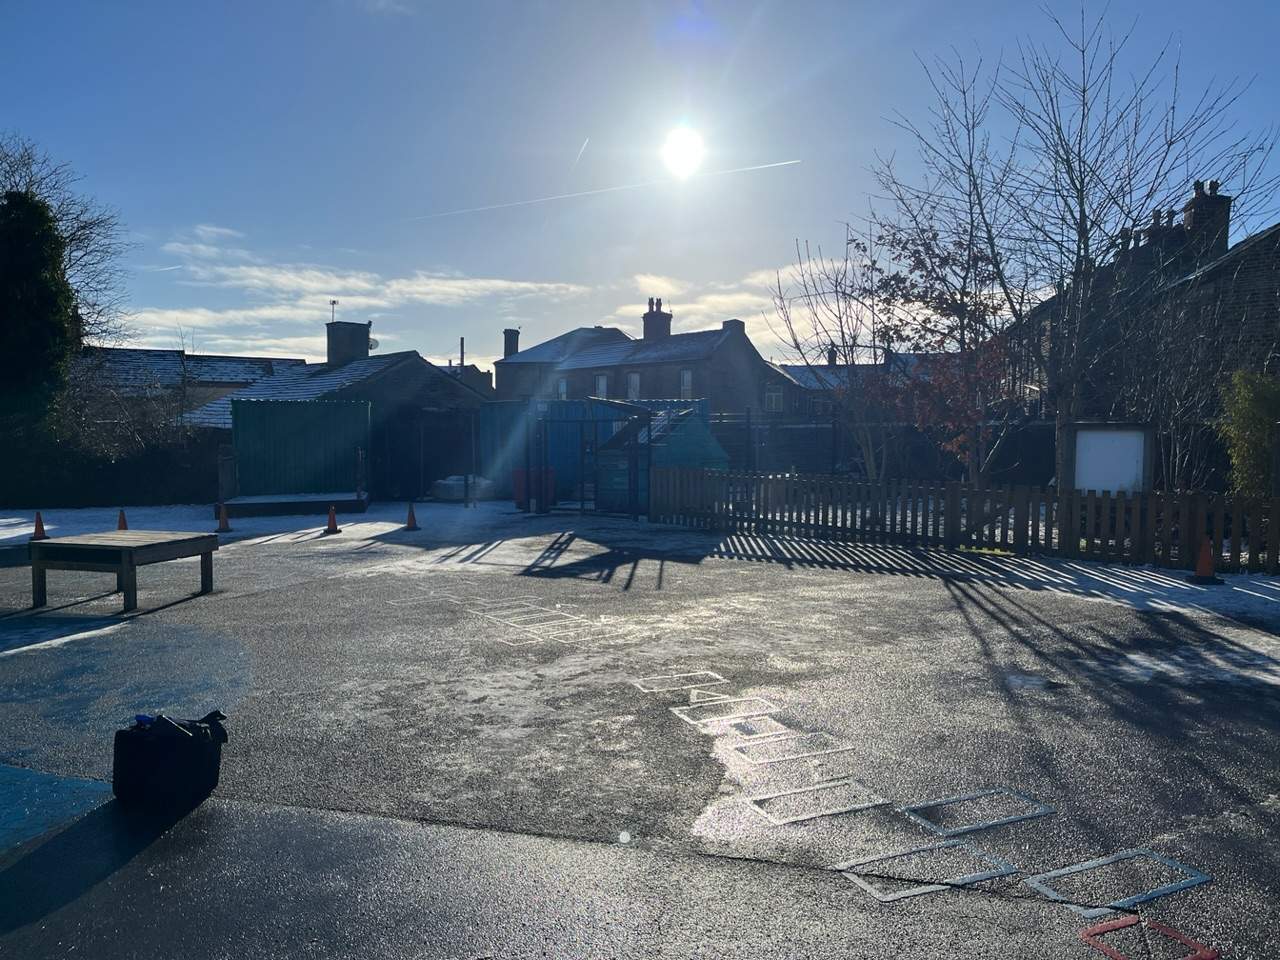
(128, 580)
(39, 591)
(206, 572)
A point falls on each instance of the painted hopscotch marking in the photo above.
(1093, 937)
(425, 598)
(696, 715)
(1193, 878)
(759, 728)
(1038, 809)
(826, 799)
(659, 683)
(1000, 868)
(537, 623)
(797, 746)
(698, 695)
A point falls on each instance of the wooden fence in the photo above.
(1163, 529)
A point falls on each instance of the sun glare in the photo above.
(683, 152)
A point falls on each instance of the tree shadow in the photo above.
(59, 870)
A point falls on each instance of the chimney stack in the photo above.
(346, 341)
(510, 342)
(832, 354)
(656, 323)
(1207, 219)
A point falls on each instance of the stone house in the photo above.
(722, 366)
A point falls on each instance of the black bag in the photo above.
(162, 762)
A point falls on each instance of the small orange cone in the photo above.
(39, 533)
(121, 522)
(333, 523)
(1204, 565)
(223, 525)
(411, 521)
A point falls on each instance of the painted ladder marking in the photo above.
(1193, 878)
(1092, 936)
(1000, 868)
(1038, 809)
(867, 799)
(658, 683)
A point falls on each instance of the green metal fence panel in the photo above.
(298, 446)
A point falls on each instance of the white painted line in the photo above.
(520, 643)
(829, 790)
(1002, 868)
(737, 708)
(425, 598)
(792, 751)
(761, 728)
(659, 684)
(698, 695)
(1038, 809)
(1040, 884)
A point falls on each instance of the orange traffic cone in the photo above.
(121, 522)
(333, 523)
(223, 525)
(39, 532)
(1204, 565)
(411, 521)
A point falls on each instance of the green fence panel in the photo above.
(298, 446)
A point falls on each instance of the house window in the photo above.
(686, 384)
(602, 385)
(773, 398)
(633, 386)
(562, 388)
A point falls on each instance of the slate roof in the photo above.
(673, 349)
(303, 382)
(133, 370)
(1244, 245)
(830, 378)
(557, 348)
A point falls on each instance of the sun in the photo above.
(683, 152)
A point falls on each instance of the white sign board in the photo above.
(1110, 459)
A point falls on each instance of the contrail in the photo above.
(580, 153)
(592, 193)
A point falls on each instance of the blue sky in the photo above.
(269, 156)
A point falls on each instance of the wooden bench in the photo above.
(120, 552)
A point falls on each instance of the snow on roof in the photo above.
(557, 348)
(137, 370)
(302, 382)
(672, 349)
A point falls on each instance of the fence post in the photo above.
(951, 515)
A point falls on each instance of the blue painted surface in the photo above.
(32, 803)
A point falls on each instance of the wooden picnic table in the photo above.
(120, 552)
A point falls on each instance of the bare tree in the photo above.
(92, 233)
(1088, 147)
(831, 323)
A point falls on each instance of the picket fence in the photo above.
(1162, 529)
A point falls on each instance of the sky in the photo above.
(268, 157)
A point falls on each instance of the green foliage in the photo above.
(39, 326)
(1250, 411)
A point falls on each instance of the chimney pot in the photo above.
(657, 324)
(1213, 187)
(831, 356)
(1198, 187)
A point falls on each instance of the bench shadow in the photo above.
(58, 871)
